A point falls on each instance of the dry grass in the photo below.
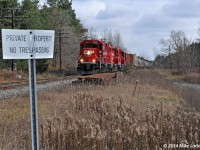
(171, 75)
(7, 76)
(192, 77)
(139, 111)
(190, 95)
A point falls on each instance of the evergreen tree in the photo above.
(33, 19)
(58, 14)
(64, 15)
(7, 9)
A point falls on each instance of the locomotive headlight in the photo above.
(81, 60)
(89, 52)
(93, 60)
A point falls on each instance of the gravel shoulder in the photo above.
(183, 84)
(6, 94)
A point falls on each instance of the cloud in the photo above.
(88, 9)
(114, 11)
(142, 23)
(182, 9)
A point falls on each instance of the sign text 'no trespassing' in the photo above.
(27, 44)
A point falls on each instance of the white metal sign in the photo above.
(27, 44)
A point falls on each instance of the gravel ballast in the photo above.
(6, 94)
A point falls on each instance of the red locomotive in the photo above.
(99, 56)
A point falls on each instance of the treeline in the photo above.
(179, 53)
(55, 15)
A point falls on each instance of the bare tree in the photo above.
(199, 34)
(176, 48)
(68, 34)
(92, 34)
(107, 35)
(114, 38)
(117, 39)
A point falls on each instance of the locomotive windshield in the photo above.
(88, 45)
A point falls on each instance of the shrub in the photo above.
(41, 65)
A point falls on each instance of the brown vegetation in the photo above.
(193, 77)
(140, 110)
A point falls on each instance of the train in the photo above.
(97, 56)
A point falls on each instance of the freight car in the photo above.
(97, 56)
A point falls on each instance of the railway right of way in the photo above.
(22, 90)
(9, 91)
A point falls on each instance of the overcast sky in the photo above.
(142, 23)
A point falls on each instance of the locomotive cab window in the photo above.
(100, 47)
(88, 45)
(94, 45)
(81, 46)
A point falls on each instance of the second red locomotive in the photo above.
(97, 56)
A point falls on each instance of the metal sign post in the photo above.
(33, 104)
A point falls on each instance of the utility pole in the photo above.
(13, 19)
(60, 35)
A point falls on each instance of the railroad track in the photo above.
(94, 78)
(97, 78)
(11, 90)
(21, 83)
(8, 90)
